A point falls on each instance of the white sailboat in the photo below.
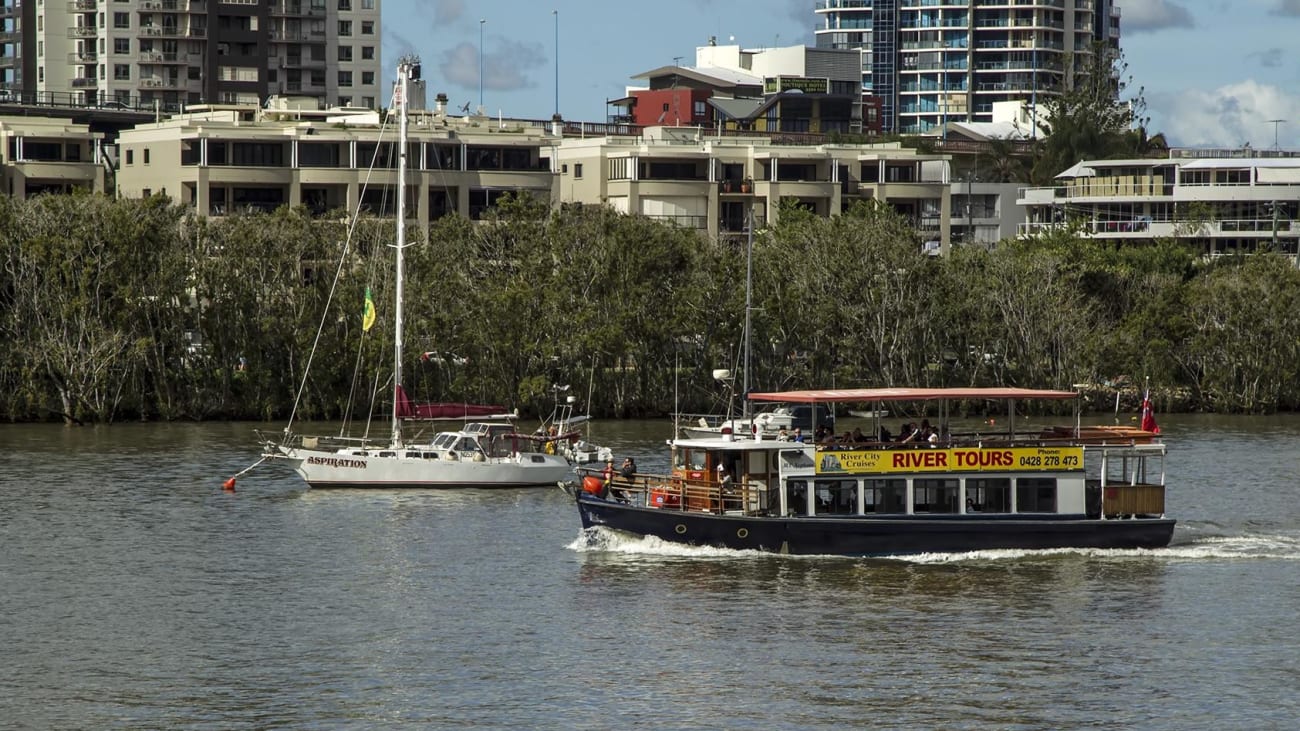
(480, 454)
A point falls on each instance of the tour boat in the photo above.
(993, 487)
(479, 454)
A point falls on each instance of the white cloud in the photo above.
(1147, 16)
(1228, 116)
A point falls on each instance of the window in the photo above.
(345, 4)
(368, 102)
(40, 73)
(121, 45)
(367, 77)
(122, 72)
(345, 53)
(885, 496)
(367, 53)
(130, 157)
(577, 170)
(836, 497)
(986, 495)
(121, 20)
(367, 4)
(345, 78)
(146, 156)
(1036, 495)
(934, 496)
(40, 48)
(194, 73)
(145, 193)
(367, 27)
(345, 27)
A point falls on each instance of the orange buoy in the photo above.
(592, 484)
(229, 485)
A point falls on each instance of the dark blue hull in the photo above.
(875, 536)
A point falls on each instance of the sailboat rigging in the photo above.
(484, 453)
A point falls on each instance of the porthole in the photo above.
(681, 529)
(742, 533)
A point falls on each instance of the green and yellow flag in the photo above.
(368, 314)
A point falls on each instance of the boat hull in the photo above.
(330, 469)
(874, 536)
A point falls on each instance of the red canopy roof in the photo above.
(868, 395)
(407, 409)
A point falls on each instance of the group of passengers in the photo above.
(909, 433)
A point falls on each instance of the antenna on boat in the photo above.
(749, 306)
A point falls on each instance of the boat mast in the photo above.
(749, 301)
(406, 66)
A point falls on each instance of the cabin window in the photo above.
(934, 496)
(1036, 495)
(796, 499)
(885, 496)
(836, 497)
(985, 495)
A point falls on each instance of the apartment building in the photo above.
(46, 155)
(714, 183)
(930, 61)
(222, 158)
(794, 89)
(1233, 201)
(167, 54)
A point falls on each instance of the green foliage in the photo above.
(113, 309)
(1090, 118)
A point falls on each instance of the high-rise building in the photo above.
(169, 53)
(931, 61)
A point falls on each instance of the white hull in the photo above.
(345, 468)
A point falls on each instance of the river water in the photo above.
(136, 593)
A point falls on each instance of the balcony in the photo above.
(82, 82)
(82, 57)
(299, 62)
(156, 57)
(83, 31)
(81, 6)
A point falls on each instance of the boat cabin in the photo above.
(1039, 476)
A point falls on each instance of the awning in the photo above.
(870, 395)
(1078, 170)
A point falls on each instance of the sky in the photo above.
(1213, 73)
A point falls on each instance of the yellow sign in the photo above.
(961, 459)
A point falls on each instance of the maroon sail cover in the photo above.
(443, 410)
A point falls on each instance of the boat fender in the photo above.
(593, 485)
(450, 456)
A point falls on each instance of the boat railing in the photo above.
(675, 493)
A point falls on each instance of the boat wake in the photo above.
(1252, 547)
(593, 540)
(1256, 547)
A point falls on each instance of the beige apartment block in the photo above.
(218, 159)
(47, 155)
(715, 183)
(1221, 201)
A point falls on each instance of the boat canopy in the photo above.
(407, 409)
(909, 394)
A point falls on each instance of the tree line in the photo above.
(118, 309)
